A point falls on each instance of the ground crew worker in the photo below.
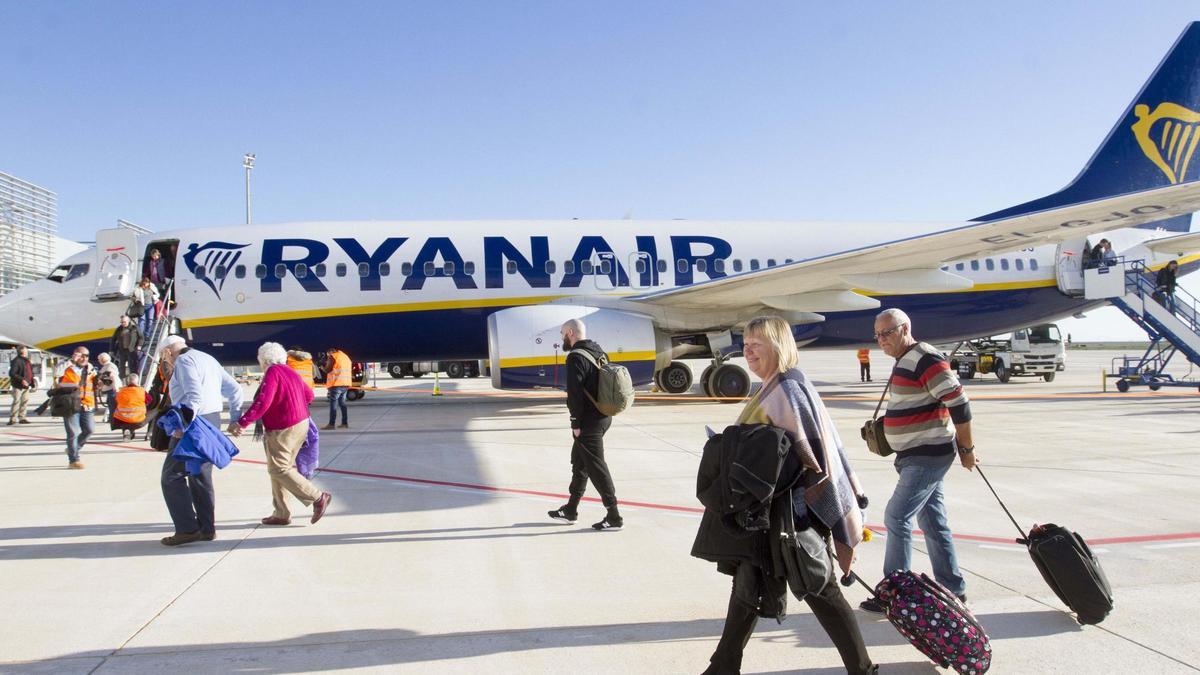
(864, 365)
(301, 362)
(130, 413)
(337, 382)
(81, 424)
(20, 375)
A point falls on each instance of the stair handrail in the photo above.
(162, 322)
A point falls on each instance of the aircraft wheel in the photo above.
(395, 370)
(705, 383)
(1122, 386)
(676, 378)
(1002, 372)
(455, 369)
(730, 382)
(1049, 377)
(473, 370)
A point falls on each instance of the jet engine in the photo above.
(526, 352)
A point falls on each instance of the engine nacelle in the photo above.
(525, 343)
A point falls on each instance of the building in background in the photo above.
(28, 232)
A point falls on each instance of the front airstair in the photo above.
(163, 321)
(1172, 323)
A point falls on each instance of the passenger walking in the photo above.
(928, 423)
(108, 381)
(198, 383)
(864, 365)
(588, 426)
(824, 497)
(1164, 285)
(21, 381)
(144, 308)
(282, 404)
(79, 425)
(338, 378)
(130, 412)
(126, 346)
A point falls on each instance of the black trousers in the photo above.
(864, 371)
(190, 499)
(831, 610)
(587, 462)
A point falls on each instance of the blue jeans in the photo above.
(146, 322)
(79, 427)
(919, 493)
(337, 399)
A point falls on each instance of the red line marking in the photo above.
(1137, 539)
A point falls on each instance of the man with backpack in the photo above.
(585, 359)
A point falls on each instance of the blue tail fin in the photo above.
(1152, 145)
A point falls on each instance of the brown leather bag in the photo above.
(872, 430)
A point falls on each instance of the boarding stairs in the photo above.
(1173, 327)
(160, 329)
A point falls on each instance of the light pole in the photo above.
(248, 163)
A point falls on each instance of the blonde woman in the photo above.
(825, 498)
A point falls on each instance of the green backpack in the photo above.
(614, 387)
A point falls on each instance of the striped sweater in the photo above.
(926, 399)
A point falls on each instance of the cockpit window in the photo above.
(59, 273)
(77, 271)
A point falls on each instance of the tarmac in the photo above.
(436, 555)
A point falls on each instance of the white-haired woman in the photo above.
(826, 496)
(282, 404)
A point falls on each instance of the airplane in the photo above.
(653, 293)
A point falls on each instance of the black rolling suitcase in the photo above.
(1067, 564)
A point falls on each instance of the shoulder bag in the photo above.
(806, 558)
(872, 430)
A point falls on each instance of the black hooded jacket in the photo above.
(583, 378)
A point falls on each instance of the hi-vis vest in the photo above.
(339, 374)
(303, 368)
(87, 391)
(131, 405)
(864, 356)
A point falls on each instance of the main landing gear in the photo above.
(722, 380)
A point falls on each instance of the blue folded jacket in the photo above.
(202, 442)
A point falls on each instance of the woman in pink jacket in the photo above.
(282, 404)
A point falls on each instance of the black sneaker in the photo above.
(563, 515)
(873, 606)
(609, 523)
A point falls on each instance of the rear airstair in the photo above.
(1172, 323)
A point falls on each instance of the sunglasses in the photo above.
(887, 333)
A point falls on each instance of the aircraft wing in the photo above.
(1179, 245)
(837, 281)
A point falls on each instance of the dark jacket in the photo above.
(1165, 281)
(583, 378)
(126, 339)
(20, 371)
(155, 271)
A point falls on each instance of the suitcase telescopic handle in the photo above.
(1022, 539)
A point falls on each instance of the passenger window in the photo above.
(429, 268)
(318, 269)
(549, 267)
(449, 268)
(737, 264)
(469, 268)
(568, 267)
(240, 271)
(989, 264)
(662, 266)
(681, 265)
(1019, 263)
(385, 269)
(959, 267)
(301, 271)
(280, 271)
(1004, 264)
(719, 265)
(511, 266)
(1033, 263)
(406, 268)
(754, 264)
(199, 272)
(77, 271)
(364, 269)
(770, 262)
(789, 261)
(975, 265)
(585, 266)
(702, 265)
(260, 271)
(219, 272)
(340, 270)
(639, 266)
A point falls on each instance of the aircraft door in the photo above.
(641, 270)
(116, 264)
(604, 270)
(1068, 266)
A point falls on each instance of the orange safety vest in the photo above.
(864, 356)
(131, 405)
(339, 374)
(303, 368)
(87, 392)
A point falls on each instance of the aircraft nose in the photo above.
(13, 317)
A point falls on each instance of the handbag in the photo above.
(872, 430)
(806, 558)
(67, 399)
(136, 310)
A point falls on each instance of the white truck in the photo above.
(1036, 351)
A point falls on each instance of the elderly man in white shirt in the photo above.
(200, 385)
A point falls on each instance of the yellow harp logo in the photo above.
(1167, 136)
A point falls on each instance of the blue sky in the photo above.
(450, 110)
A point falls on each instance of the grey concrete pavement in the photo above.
(437, 557)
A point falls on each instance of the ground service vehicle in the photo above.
(1036, 351)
